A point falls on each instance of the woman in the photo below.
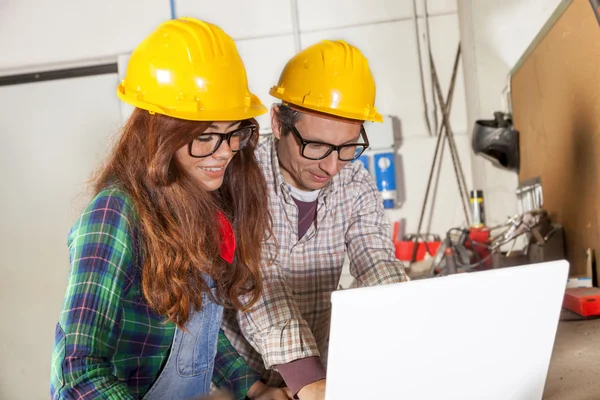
(173, 234)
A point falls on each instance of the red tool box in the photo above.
(583, 301)
(405, 248)
(426, 244)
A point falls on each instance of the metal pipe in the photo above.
(173, 13)
(420, 58)
(428, 32)
(296, 26)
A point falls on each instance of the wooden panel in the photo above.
(556, 107)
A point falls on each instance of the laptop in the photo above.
(482, 335)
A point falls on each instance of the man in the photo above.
(324, 207)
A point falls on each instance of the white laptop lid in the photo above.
(483, 335)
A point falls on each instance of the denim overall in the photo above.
(189, 367)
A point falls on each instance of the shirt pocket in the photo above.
(316, 269)
(328, 253)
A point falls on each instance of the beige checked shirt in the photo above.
(291, 321)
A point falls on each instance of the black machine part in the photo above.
(497, 141)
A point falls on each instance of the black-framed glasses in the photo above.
(315, 150)
(208, 143)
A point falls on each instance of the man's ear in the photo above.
(275, 125)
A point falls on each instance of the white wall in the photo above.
(494, 35)
(73, 120)
(53, 135)
(36, 33)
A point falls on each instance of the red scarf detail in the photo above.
(227, 238)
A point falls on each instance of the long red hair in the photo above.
(177, 223)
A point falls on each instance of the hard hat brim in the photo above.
(225, 114)
(322, 111)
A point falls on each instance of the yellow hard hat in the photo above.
(330, 77)
(189, 69)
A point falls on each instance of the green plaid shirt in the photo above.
(108, 342)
